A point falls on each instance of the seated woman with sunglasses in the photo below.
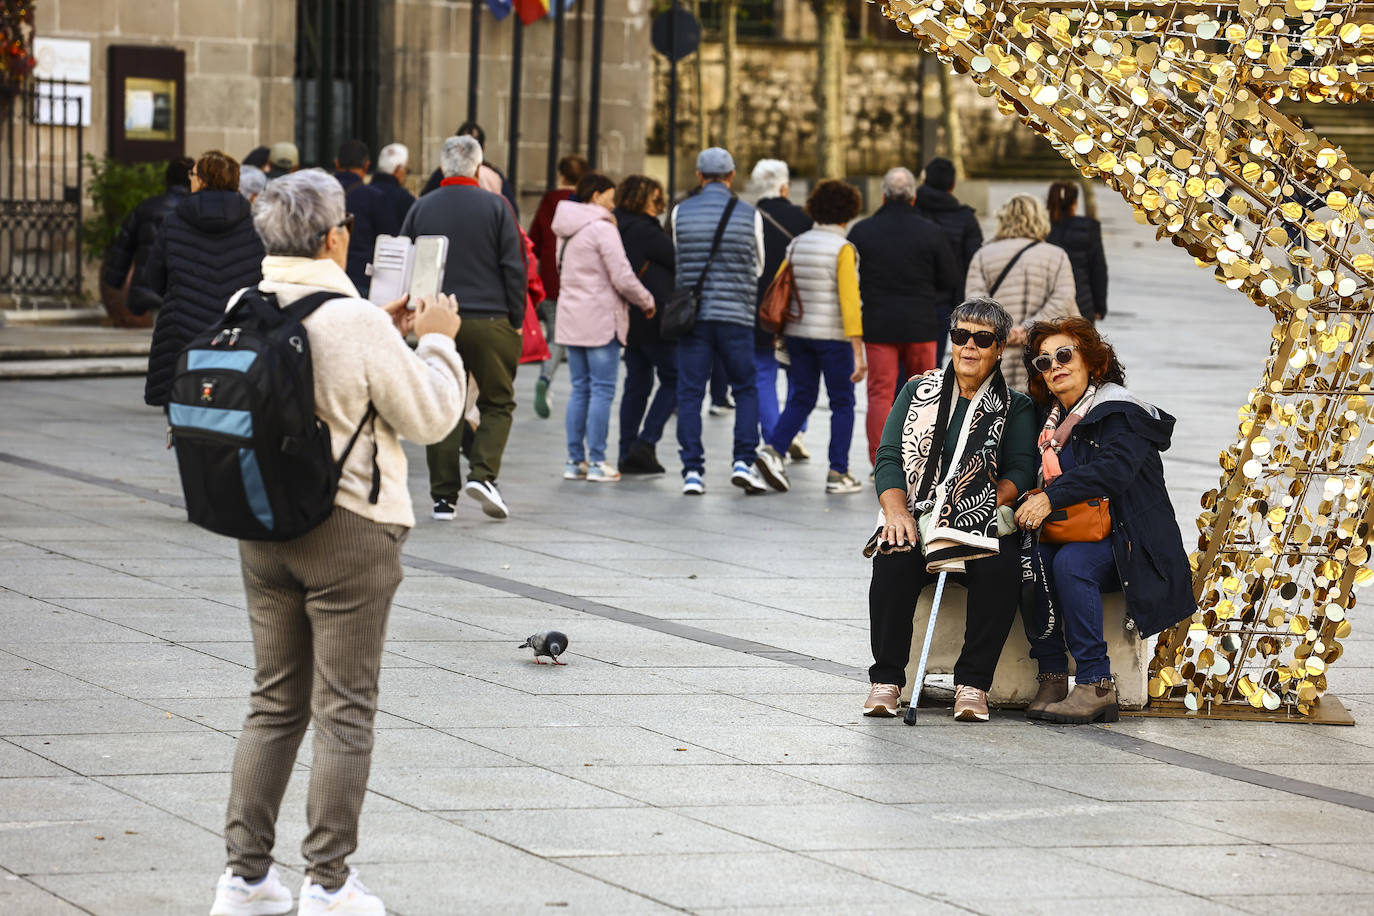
(957, 449)
(1098, 440)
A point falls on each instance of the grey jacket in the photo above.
(730, 293)
(486, 257)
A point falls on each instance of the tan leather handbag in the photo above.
(1085, 522)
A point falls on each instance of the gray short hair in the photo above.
(899, 184)
(251, 181)
(392, 157)
(982, 310)
(293, 213)
(460, 156)
(769, 177)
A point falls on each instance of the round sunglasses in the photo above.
(984, 339)
(1045, 362)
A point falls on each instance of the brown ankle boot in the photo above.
(1092, 702)
(1053, 689)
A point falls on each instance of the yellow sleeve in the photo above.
(851, 306)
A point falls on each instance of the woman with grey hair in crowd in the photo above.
(957, 450)
(1032, 279)
(318, 604)
(251, 182)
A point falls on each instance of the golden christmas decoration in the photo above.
(1175, 106)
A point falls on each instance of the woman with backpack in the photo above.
(207, 249)
(639, 203)
(595, 280)
(1028, 277)
(1081, 239)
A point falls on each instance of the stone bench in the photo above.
(1014, 684)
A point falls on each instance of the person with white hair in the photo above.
(393, 165)
(906, 270)
(318, 603)
(486, 270)
(251, 182)
(782, 222)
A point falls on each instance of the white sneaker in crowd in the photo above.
(488, 497)
(350, 900)
(575, 470)
(769, 464)
(797, 451)
(236, 897)
(835, 482)
(602, 472)
(692, 484)
(747, 479)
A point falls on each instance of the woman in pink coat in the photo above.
(594, 280)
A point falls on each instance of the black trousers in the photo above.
(994, 587)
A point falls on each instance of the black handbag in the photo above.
(680, 311)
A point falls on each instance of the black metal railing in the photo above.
(40, 190)
(338, 74)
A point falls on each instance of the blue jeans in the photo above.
(696, 354)
(1078, 575)
(594, 371)
(641, 360)
(720, 383)
(812, 360)
(766, 370)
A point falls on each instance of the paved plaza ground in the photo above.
(703, 750)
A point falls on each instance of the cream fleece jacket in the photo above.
(358, 356)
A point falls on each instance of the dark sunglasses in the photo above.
(1044, 362)
(983, 339)
(346, 225)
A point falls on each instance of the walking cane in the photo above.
(925, 650)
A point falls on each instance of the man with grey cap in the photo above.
(283, 159)
(725, 322)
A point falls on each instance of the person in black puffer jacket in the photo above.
(936, 202)
(1081, 237)
(207, 250)
(134, 243)
(639, 202)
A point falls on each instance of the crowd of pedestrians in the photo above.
(611, 274)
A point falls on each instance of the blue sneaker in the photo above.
(692, 484)
(747, 479)
(575, 470)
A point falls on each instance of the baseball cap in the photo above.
(715, 161)
(284, 155)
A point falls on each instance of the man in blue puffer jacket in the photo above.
(725, 323)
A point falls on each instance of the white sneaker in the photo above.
(602, 472)
(769, 464)
(236, 897)
(692, 484)
(350, 900)
(747, 479)
(486, 494)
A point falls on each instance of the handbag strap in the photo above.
(715, 245)
(992, 290)
(776, 225)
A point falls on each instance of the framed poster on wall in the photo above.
(147, 94)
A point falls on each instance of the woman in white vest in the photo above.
(828, 339)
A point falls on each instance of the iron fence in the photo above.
(40, 190)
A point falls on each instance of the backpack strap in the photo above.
(715, 245)
(369, 417)
(302, 307)
(992, 290)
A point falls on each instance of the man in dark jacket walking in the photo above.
(393, 165)
(372, 214)
(936, 202)
(131, 247)
(782, 222)
(906, 271)
(486, 271)
(488, 175)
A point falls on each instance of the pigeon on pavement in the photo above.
(550, 643)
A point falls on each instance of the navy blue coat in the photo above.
(1116, 450)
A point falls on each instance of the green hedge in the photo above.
(115, 189)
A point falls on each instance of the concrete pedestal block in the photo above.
(1013, 683)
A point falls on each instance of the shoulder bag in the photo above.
(1086, 522)
(680, 311)
(997, 284)
(781, 303)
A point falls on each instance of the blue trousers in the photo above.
(812, 360)
(1078, 575)
(594, 371)
(696, 354)
(766, 370)
(641, 361)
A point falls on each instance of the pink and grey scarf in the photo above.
(1054, 435)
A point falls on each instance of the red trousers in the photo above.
(883, 362)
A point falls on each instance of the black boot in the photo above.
(640, 459)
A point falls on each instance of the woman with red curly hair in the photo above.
(1098, 443)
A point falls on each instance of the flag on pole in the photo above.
(500, 8)
(531, 10)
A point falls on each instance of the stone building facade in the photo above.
(245, 73)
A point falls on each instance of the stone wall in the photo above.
(776, 109)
